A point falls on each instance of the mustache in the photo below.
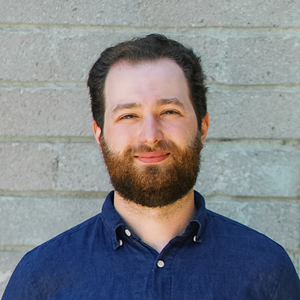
(162, 145)
(165, 145)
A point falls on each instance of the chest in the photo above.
(178, 274)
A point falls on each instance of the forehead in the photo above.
(162, 78)
(158, 64)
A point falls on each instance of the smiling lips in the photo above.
(152, 157)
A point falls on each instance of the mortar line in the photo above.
(13, 248)
(292, 251)
(83, 85)
(47, 139)
(140, 28)
(45, 84)
(279, 87)
(102, 194)
(211, 198)
(53, 193)
(283, 141)
(91, 139)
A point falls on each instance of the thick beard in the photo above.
(154, 185)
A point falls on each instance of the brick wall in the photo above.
(52, 174)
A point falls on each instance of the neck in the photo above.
(157, 226)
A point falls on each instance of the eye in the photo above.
(129, 116)
(170, 112)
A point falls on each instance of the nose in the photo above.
(150, 133)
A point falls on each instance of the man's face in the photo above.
(150, 140)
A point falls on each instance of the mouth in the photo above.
(152, 157)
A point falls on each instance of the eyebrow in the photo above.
(171, 101)
(160, 102)
(126, 106)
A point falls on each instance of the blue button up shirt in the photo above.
(216, 258)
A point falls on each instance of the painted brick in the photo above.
(32, 221)
(220, 13)
(253, 113)
(46, 166)
(279, 220)
(45, 112)
(228, 56)
(81, 167)
(8, 262)
(246, 57)
(105, 12)
(172, 13)
(260, 60)
(27, 56)
(250, 169)
(25, 167)
(52, 54)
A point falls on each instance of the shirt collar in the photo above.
(200, 217)
(112, 220)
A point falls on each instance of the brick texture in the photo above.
(46, 166)
(250, 169)
(254, 113)
(45, 112)
(174, 13)
(32, 220)
(229, 57)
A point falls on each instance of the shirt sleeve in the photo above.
(288, 287)
(21, 284)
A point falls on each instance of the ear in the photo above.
(204, 127)
(97, 133)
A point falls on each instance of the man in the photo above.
(154, 238)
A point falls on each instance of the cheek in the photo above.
(118, 138)
(182, 132)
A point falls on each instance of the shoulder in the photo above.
(51, 259)
(232, 233)
(70, 237)
(75, 241)
(262, 261)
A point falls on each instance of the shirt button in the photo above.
(195, 238)
(127, 232)
(160, 264)
(120, 242)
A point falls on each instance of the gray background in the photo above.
(52, 175)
